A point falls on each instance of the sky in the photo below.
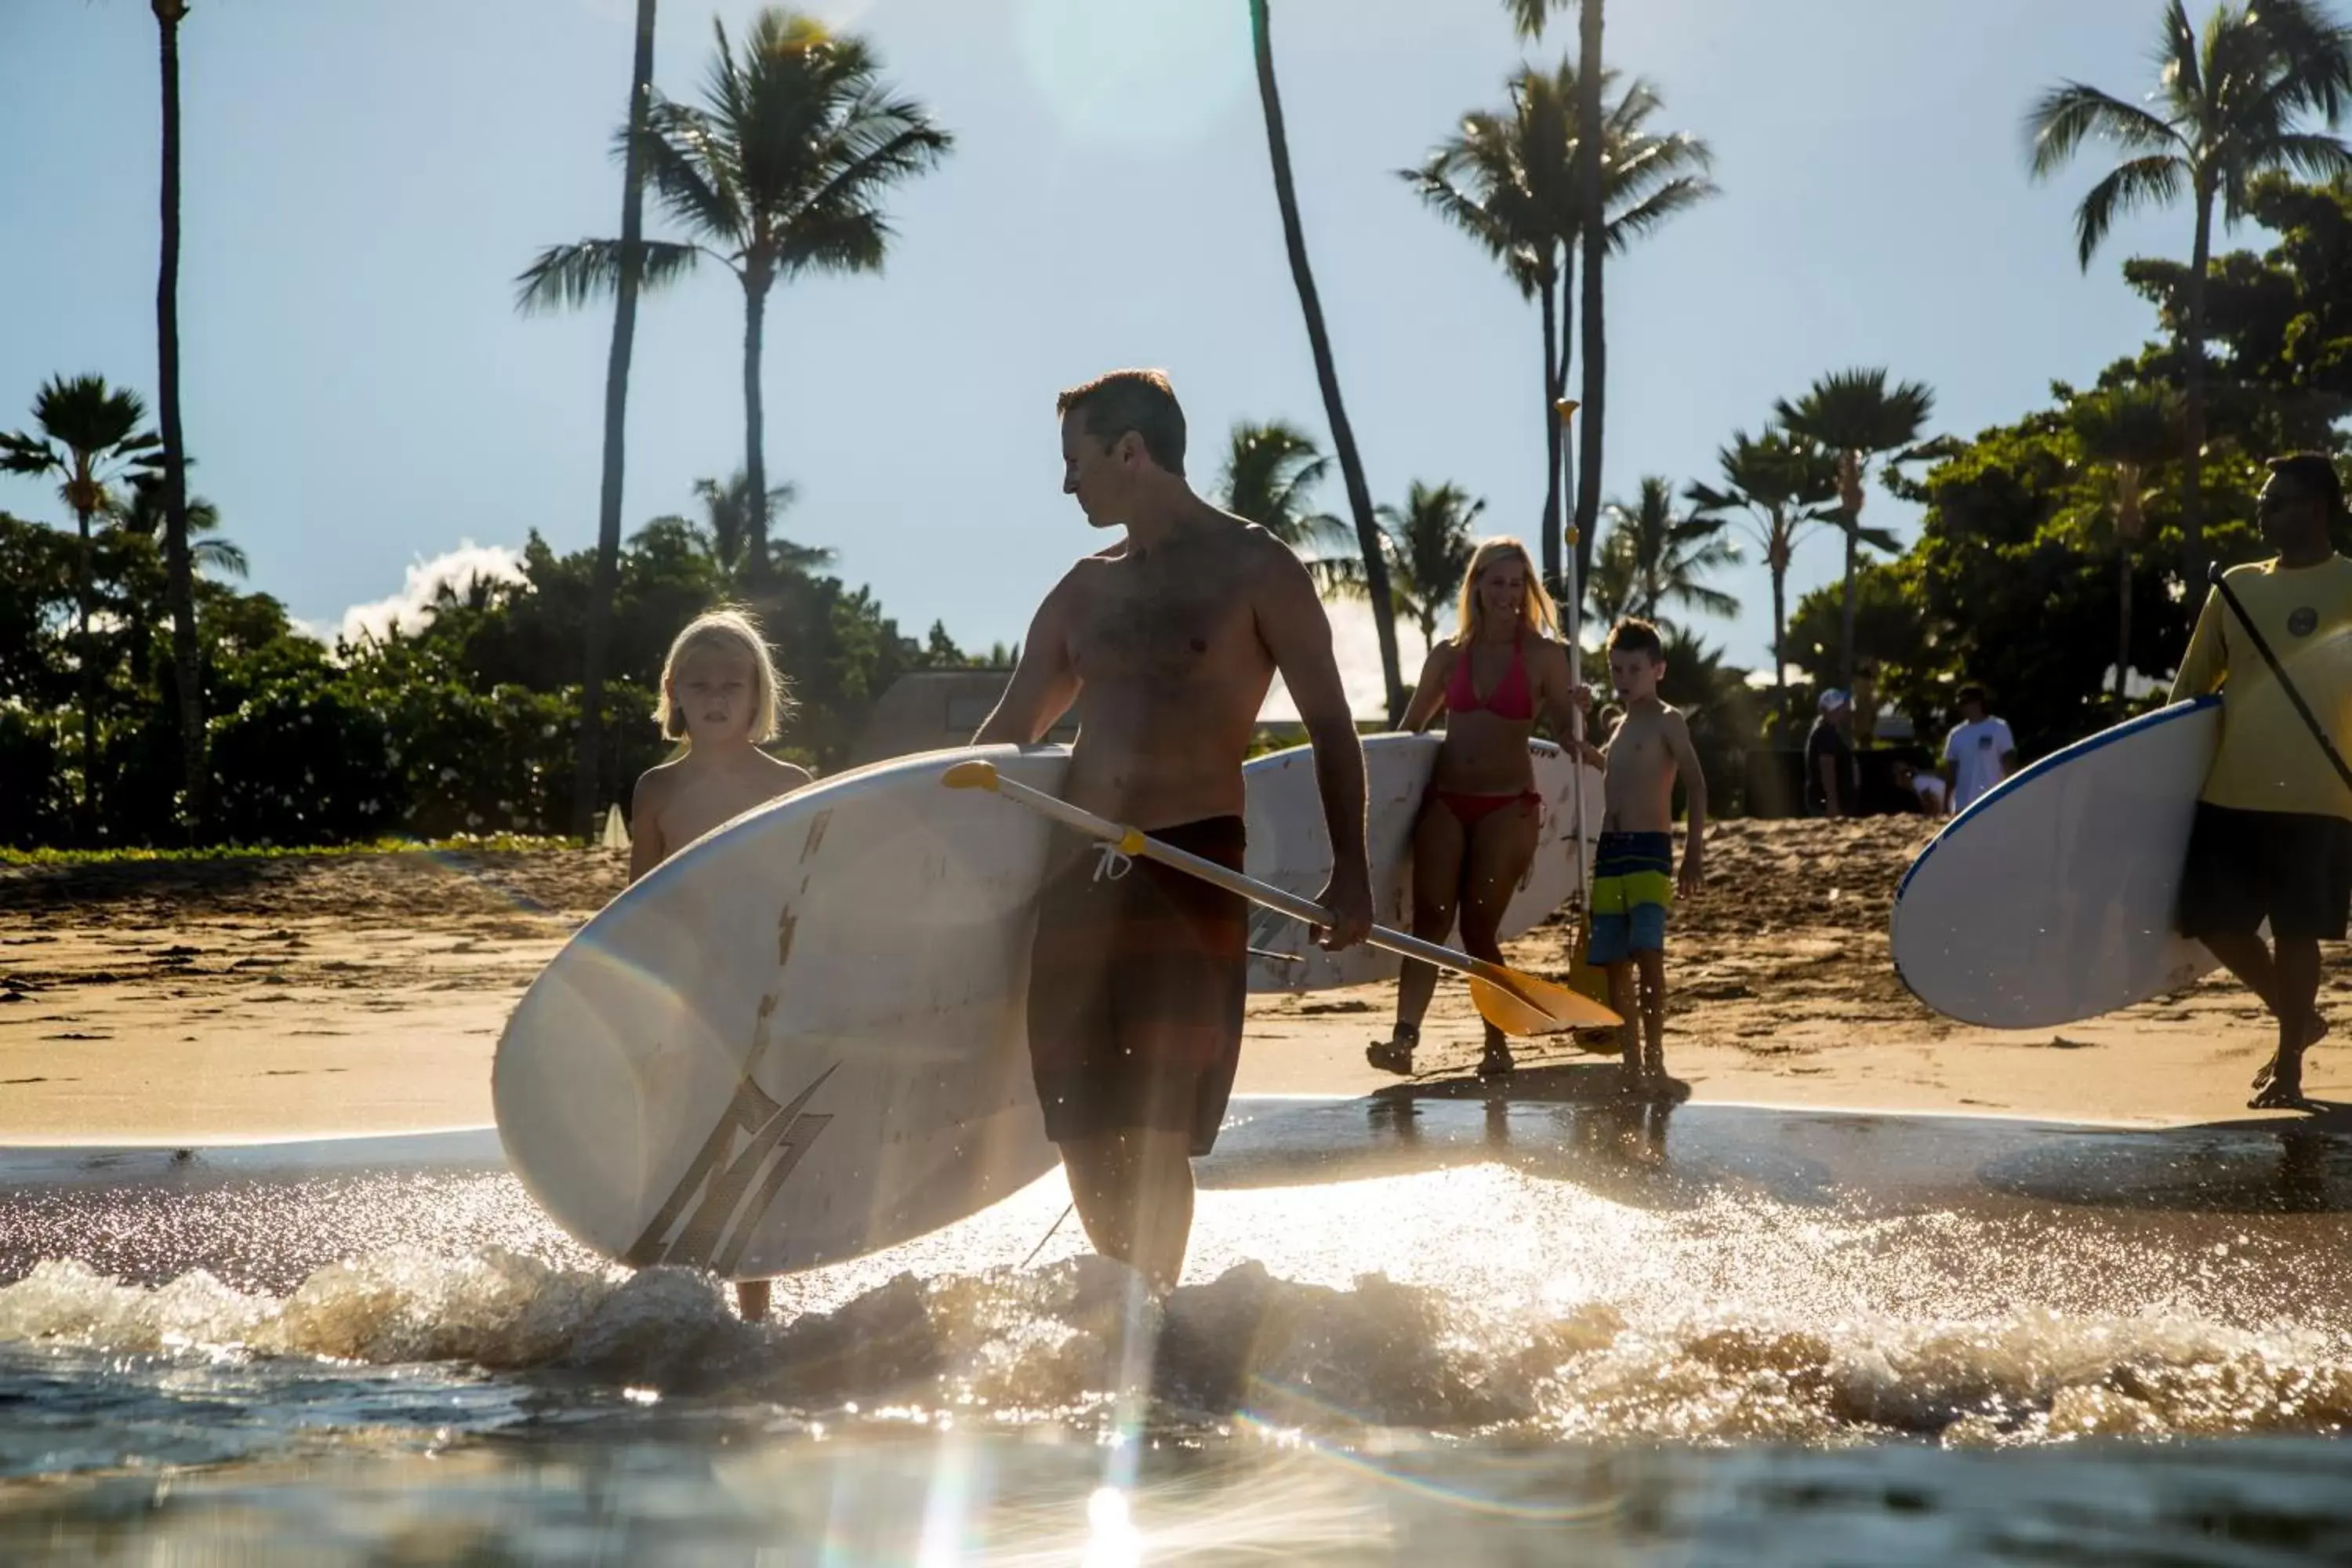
(363, 183)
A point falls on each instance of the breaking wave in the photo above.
(1058, 1342)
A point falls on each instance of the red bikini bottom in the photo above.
(1468, 809)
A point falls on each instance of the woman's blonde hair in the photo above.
(1536, 612)
(731, 631)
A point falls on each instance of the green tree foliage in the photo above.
(466, 725)
(2231, 103)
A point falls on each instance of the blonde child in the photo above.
(721, 695)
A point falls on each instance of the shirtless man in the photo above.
(1167, 643)
(1632, 886)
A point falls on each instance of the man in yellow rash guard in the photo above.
(2273, 838)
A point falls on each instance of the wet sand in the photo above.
(364, 994)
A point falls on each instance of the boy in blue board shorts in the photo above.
(1633, 881)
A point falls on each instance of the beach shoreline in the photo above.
(237, 1002)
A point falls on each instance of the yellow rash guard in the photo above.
(2268, 760)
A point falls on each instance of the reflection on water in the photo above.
(1415, 1327)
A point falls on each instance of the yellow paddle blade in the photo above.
(1522, 1004)
(971, 775)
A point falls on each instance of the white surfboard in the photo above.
(1290, 847)
(2052, 898)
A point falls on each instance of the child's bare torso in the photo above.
(1640, 796)
(695, 800)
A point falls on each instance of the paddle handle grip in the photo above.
(1133, 843)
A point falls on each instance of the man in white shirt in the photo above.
(1978, 755)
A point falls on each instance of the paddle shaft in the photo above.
(2261, 646)
(1133, 842)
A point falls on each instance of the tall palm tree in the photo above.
(1429, 542)
(179, 571)
(1671, 554)
(780, 172)
(1502, 179)
(1326, 373)
(2126, 432)
(604, 576)
(90, 439)
(1508, 180)
(1778, 484)
(1270, 475)
(2228, 106)
(1855, 414)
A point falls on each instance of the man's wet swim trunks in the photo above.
(1137, 981)
(1632, 890)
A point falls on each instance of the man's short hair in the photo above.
(1633, 635)
(1974, 693)
(1139, 400)
(2314, 475)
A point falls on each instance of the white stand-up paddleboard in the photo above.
(1290, 846)
(800, 1039)
(2052, 900)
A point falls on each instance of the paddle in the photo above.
(1513, 1003)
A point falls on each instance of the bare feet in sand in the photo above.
(2275, 1090)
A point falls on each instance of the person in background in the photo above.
(1929, 788)
(1832, 778)
(1979, 754)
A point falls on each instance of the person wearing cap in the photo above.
(1833, 780)
(2272, 837)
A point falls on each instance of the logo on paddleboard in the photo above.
(731, 1187)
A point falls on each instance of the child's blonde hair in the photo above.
(734, 632)
(1536, 612)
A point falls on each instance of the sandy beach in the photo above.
(293, 997)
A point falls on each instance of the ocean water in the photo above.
(1415, 1330)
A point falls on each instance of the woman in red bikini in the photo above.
(1476, 832)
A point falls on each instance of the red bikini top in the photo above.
(1510, 699)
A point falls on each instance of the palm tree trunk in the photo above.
(1596, 244)
(2123, 619)
(1555, 384)
(1781, 637)
(1343, 435)
(85, 588)
(180, 586)
(604, 576)
(2192, 497)
(1846, 623)
(755, 457)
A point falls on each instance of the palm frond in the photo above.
(1675, 197)
(568, 276)
(2144, 182)
(2064, 116)
(219, 554)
